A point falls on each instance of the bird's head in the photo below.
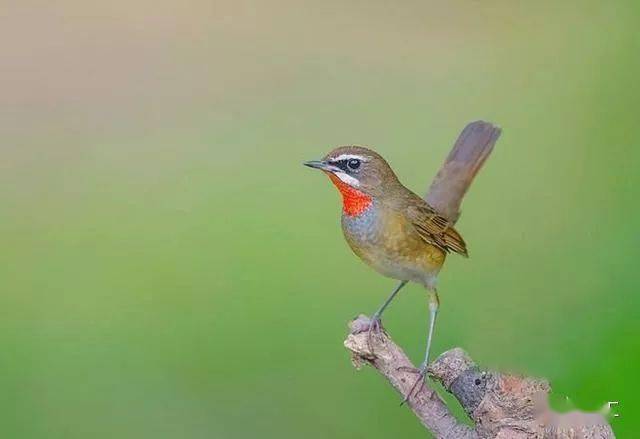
(359, 173)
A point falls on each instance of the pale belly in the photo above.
(388, 244)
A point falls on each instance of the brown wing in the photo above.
(436, 230)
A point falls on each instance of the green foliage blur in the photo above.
(170, 270)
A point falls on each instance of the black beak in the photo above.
(318, 164)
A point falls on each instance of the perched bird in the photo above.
(397, 232)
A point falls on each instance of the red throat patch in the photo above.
(354, 202)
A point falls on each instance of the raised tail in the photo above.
(469, 153)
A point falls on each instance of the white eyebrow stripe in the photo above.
(347, 179)
(349, 156)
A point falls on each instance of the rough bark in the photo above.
(502, 406)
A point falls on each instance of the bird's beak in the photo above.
(318, 164)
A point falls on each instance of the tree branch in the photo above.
(396, 367)
(502, 406)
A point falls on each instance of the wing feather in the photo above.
(436, 229)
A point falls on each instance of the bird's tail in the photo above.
(469, 153)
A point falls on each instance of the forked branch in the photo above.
(501, 405)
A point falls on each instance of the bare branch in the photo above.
(502, 406)
(396, 367)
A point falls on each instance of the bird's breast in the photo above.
(362, 229)
(386, 241)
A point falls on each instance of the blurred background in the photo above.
(170, 270)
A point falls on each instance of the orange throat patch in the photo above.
(354, 202)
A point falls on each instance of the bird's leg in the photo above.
(434, 303)
(374, 326)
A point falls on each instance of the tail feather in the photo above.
(469, 153)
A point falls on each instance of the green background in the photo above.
(170, 270)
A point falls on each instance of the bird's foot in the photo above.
(375, 327)
(371, 326)
(419, 383)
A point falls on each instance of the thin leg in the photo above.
(434, 303)
(386, 303)
(375, 319)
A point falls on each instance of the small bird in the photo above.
(390, 228)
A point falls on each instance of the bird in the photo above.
(392, 229)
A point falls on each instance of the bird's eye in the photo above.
(353, 163)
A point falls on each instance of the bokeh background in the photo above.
(170, 270)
